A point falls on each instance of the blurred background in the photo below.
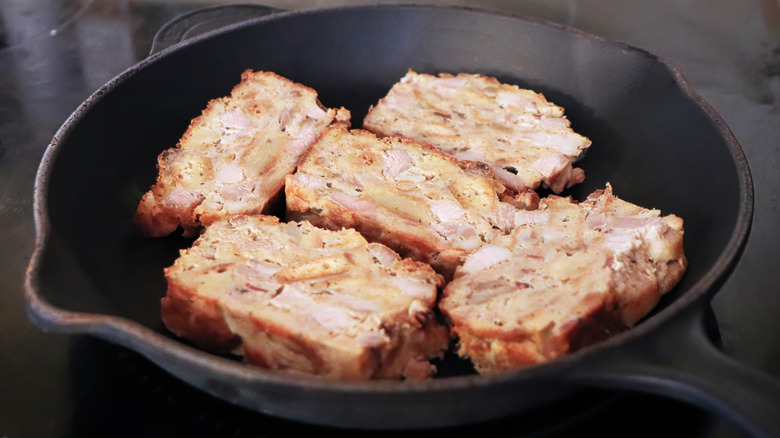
(55, 53)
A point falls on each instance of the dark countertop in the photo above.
(54, 53)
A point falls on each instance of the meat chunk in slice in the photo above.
(419, 201)
(293, 297)
(568, 276)
(234, 157)
(525, 139)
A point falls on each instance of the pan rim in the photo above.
(146, 341)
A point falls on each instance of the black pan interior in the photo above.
(651, 140)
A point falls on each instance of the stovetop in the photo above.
(54, 53)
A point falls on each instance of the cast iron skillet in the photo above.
(653, 138)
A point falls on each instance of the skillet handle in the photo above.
(204, 20)
(679, 360)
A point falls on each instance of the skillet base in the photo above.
(96, 367)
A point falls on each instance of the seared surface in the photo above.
(525, 139)
(296, 297)
(569, 275)
(234, 157)
(413, 198)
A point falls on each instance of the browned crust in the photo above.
(526, 199)
(189, 315)
(433, 338)
(492, 349)
(443, 261)
(474, 167)
(567, 177)
(601, 324)
(202, 321)
(304, 355)
(153, 219)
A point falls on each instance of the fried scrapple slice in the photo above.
(419, 201)
(234, 157)
(294, 297)
(568, 276)
(525, 139)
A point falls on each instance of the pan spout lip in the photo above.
(196, 366)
